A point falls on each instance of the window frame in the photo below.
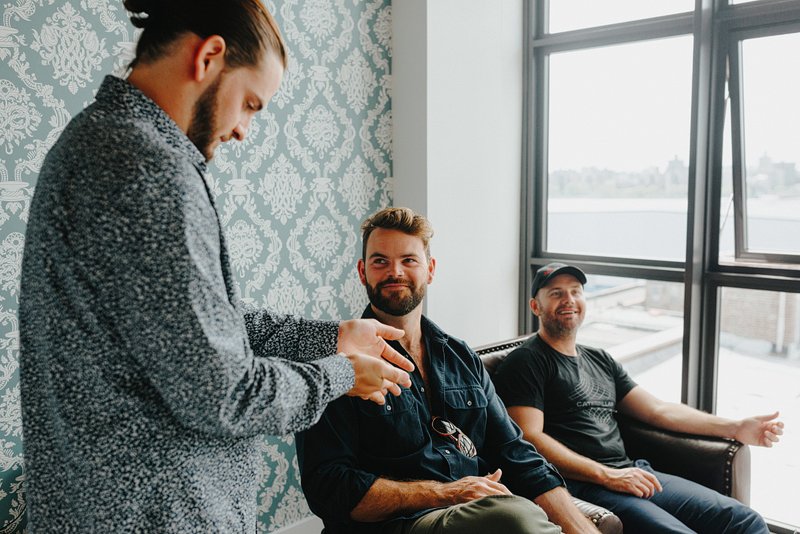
(742, 252)
(716, 27)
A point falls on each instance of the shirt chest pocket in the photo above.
(466, 408)
(393, 430)
(466, 398)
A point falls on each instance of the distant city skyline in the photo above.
(765, 175)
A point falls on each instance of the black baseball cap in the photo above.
(551, 270)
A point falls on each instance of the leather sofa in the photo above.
(717, 463)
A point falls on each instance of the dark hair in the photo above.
(403, 219)
(247, 27)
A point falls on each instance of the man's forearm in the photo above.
(274, 335)
(682, 418)
(560, 510)
(642, 405)
(568, 462)
(572, 465)
(762, 430)
(388, 498)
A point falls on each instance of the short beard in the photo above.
(204, 119)
(395, 306)
(555, 329)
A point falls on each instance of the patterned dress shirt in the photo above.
(145, 385)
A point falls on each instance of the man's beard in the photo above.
(397, 303)
(557, 329)
(204, 118)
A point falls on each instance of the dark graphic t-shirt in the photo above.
(578, 396)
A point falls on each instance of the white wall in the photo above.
(457, 113)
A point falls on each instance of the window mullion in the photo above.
(698, 315)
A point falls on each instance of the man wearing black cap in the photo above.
(581, 388)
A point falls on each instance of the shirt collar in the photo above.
(430, 330)
(122, 97)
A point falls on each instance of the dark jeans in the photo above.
(683, 506)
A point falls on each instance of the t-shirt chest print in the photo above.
(593, 398)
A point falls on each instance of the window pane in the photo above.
(618, 150)
(772, 144)
(759, 373)
(573, 14)
(640, 323)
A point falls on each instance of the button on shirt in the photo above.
(356, 441)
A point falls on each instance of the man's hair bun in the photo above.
(143, 11)
(246, 26)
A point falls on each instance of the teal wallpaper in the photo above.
(292, 195)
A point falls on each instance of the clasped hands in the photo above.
(363, 342)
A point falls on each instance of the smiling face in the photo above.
(226, 107)
(560, 306)
(396, 271)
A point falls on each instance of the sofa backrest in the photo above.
(494, 353)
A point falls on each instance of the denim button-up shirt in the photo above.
(356, 441)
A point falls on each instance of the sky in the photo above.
(627, 107)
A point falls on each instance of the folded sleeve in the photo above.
(328, 453)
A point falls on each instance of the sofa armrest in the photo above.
(717, 463)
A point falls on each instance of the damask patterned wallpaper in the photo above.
(292, 195)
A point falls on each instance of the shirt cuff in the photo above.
(538, 481)
(340, 373)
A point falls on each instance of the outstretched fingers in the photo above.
(768, 429)
(395, 377)
(377, 397)
(387, 332)
(392, 356)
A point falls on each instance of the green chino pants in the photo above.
(506, 514)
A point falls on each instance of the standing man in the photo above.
(564, 396)
(443, 456)
(145, 384)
